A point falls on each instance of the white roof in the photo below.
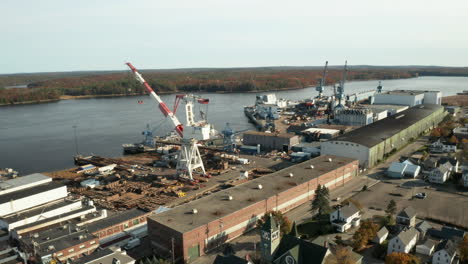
(397, 167)
(321, 130)
(23, 182)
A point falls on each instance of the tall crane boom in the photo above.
(324, 75)
(162, 106)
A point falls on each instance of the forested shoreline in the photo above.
(101, 84)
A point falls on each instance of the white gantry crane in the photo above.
(189, 159)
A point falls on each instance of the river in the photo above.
(41, 137)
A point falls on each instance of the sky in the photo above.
(60, 35)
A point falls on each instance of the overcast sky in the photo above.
(60, 35)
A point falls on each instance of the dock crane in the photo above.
(341, 87)
(321, 85)
(189, 159)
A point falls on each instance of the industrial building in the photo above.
(371, 144)
(29, 191)
(408, 97)
(270, 141)
(194, 228)
(354, 116)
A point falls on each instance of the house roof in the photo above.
(115, 219)
(397, 167)
(407, 212)
(423, 226)
(303, 251)
(407, 235)
(452, 161)
(348, 210)
(373, 134)
(382, 232)
(428, 243)
(442, 169)
(448, 245)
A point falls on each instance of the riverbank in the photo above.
(458, 100)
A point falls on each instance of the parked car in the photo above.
(421, 195)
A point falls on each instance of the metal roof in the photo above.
(105, 256)
(5, 198)
(16, 183)
(216, 206)
(280, 135)
(117, 218)
(375, 133)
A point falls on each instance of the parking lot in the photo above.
(438, 205)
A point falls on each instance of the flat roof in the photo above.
(104, 256)
(404, 92)
(258, 133)
(50, 219)
(5, 198)
(376, 132)
(17, 182)
(38, 210)
(216, 205)
(115, 219)
(382, 107)
(321, 130)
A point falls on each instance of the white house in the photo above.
(345, 217)
(381, 236)
(407, 217)
(445, 252)
(426, 247)
(442, 147)
(404, 242)
(439, 175)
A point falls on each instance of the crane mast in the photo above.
(342, 84)
(321, 85)
(189, 159)
(162, 106)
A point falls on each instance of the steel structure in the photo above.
(189, 160)
(322, 82)
(341, 87)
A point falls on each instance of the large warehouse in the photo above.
(204, 224)
(370, 143)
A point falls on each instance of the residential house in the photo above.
(442, 147)
(454, 164)
(423, 227)
(382, 234)
(426, 247)
(345, 217)
(430, 163)
(439, 175)
(445, 252)
(412, 170)
(461, 132)
(404, 242)
(406, 217)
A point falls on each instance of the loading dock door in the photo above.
(194, 252)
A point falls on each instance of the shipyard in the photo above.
(184, 195)
(234, 132)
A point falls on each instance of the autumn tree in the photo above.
(285, 224)
(341, 255)
(401, 258)
(321, 200)
(367, 231)
(453, 139)
(463, 249)
(435, 133)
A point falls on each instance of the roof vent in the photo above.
(329, 160)
(194, 211)
(291, 175)
(36, 235)
(229, 197)
(260, 187)
(51, 247)
(312, 166)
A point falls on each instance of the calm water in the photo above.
(38, 138)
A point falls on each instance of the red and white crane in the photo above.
(189, 159)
